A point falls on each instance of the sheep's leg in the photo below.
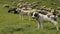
(21, 16)
(38, 25)
(29, 17)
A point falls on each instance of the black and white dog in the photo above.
(42, 16)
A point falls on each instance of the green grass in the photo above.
(9, 22)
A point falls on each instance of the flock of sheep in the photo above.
(39, 13)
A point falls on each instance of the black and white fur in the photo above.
(14, 10)
(41, 17)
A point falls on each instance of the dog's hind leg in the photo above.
(56, 25)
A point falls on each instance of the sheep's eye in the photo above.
(31, 14)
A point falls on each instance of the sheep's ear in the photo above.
(31, 14)
(39, 12)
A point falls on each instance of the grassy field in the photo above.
(11, 23)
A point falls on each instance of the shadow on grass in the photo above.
(11, 30)
(51, 28)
